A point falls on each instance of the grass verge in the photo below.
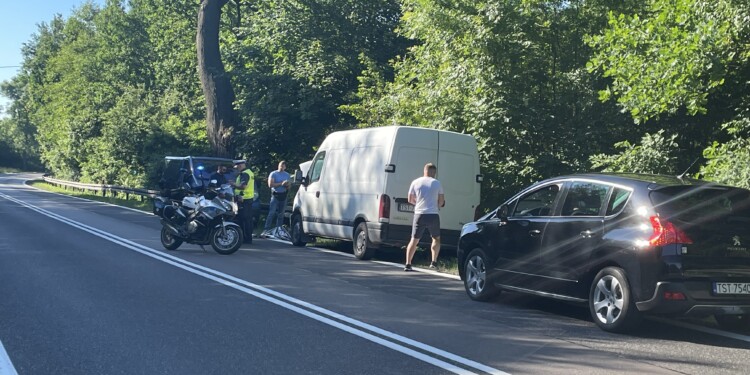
(447, 262)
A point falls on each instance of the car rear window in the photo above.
(702, 203)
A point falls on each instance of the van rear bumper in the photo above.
(400, 235)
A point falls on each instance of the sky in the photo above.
(18, 21)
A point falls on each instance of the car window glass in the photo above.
(703, 204)
(617, 201)
(584, 199)
(537, 203)
(317, 167)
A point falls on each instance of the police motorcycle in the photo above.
(202, 219)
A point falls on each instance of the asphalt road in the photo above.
(86, 288)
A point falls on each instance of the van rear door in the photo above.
(412, 149)
(458, 168)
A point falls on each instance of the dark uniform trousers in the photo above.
(246, 219)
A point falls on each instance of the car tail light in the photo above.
(385, 207)
(674, 296)
(666, 233)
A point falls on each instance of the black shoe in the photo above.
(433, 265)
(408, 268)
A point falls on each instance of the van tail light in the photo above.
(666, 233)
(385, 207)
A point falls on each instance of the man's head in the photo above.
(240, 165)
(430, 170)
(222, 169)
(282, 165)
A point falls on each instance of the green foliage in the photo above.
(672, 56)
(656, 154)
(294, 63)
(729, 162)
(511, 73)
(105, 94)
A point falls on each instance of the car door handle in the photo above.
(535, 232)
(317, 194)
(587, 233)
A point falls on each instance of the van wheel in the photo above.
(297, 234)
(363, 249)
(611, 303)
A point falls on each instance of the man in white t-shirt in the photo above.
(427, 196)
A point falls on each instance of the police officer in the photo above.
(244, 191)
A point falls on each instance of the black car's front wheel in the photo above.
(476, 280)
(611, 303)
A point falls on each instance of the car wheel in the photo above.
(476, 281)
(362, 247)
(739, 322)
(297, 233)
(611, 303)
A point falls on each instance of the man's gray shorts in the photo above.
(431, 222)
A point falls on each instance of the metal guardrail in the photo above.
(112, 190)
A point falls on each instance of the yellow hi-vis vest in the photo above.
(249, 190)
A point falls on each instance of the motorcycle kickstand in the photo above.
(203, 248)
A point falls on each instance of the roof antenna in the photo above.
(682, 175)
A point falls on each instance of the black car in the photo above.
(625, 244)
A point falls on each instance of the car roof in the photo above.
(653, 181)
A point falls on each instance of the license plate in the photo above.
(731, 288)
(405, 207)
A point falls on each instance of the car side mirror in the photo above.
(502, 212)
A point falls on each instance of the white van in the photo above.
(356, 187)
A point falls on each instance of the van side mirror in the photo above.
(502, 212)
(299, 179)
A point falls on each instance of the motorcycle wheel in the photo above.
(169, 240)
(227, 241)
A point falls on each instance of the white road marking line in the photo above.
(417, 269)
(285, 301)
(396, 265)
(695, 327)
(6, 366)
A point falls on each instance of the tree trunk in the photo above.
(220, 114)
